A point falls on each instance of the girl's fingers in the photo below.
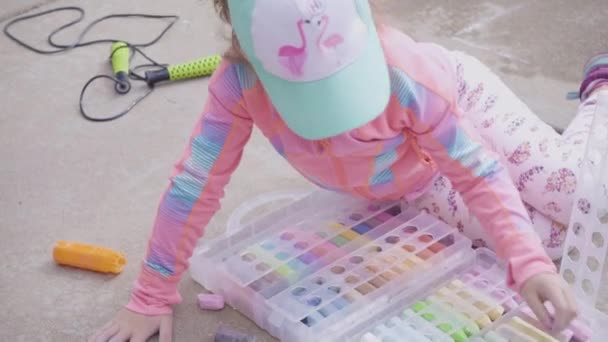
(106, 333)
(121, 336)
(537, 306)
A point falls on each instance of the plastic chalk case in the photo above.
(328, 267)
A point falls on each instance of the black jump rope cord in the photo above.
(59, 48)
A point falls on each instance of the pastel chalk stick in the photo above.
(420, 324)
(407, 333)
(307, 258)
(481, 301)
(287, 273)
(297, 265)
(394, 211)
(353, 296)
(350, 235)
(413, 261)
(437, 247)
(224, 334)
(432, 315)
(504, 297)
(325, 248)
(530, 317)
(434, 247)
(369, 337)
(374, 222)
(365, 288)
(392, 261)
(470, 328)
(384, 217)
(385, 333)
(512, 334)
(337, 226)
(328, 310)
(581, 331)
(423, 254)
(362, 228)
(341, 303)
(529, 330)
(378, 281)
(339, 241)
(492, 336)
(212, 302)
(459, 304)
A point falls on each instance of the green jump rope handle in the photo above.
(198, 68)
(120, 65)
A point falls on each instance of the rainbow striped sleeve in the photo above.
(485, 185)
(196, 187)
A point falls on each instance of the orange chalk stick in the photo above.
(88, 257)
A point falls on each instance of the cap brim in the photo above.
(344, 101)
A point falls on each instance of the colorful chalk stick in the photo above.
(481, 301)
(529, 330)
(470, 328)
(384, 217)
(513, 334)
(297, 265)
(337, 226)
(386, 333)
(420, 324)
(365, 288)
(405, 331)
(482, 320)
(362, 228)
(530, 317)
(374, 222)
(413, 261)
(430, 314)
(369, 337)
(307, 258)
(492, 336)
(339, 241)
(582, 332)
(353, 296)
(349, 235)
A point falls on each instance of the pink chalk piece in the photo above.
(567, 335)
(577, 328)
(564, 336)
(210, 302)
(582, 332)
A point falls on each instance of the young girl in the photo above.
(361, 108)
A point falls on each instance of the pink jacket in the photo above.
(399, 154)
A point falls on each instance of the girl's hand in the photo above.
(550, 287)
(134, 327)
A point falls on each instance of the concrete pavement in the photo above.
(65, 178)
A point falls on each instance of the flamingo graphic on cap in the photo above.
(320, 61)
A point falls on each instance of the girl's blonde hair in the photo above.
(234, 52)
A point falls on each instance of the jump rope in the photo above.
(121, 55)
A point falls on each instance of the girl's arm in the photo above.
(197, 185)
(485, 186)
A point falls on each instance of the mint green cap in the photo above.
(320, 61)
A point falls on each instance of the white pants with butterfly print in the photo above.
(542, 163)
